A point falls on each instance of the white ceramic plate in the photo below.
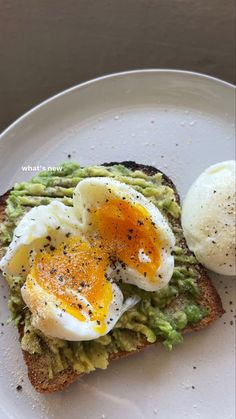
(181, 123)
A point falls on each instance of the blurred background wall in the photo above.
(49, 45)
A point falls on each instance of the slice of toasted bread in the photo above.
(38, 364)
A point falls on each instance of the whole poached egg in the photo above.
(73, 258)
(209, 217)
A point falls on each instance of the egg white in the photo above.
(208, 218)
(31, 235)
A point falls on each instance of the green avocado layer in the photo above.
(159, 316)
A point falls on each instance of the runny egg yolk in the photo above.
(75, 272)
(126, 229)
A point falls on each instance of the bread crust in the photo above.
(3, 199)
(38, 364)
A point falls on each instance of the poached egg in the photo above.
(208, 218)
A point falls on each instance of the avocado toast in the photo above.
(188, 303)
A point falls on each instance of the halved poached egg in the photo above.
(74, 258)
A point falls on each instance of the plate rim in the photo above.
(94, 80)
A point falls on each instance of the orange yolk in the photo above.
(75, 272)
(75, 269)
(126, 229)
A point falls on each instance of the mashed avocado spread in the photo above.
(159, 316)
